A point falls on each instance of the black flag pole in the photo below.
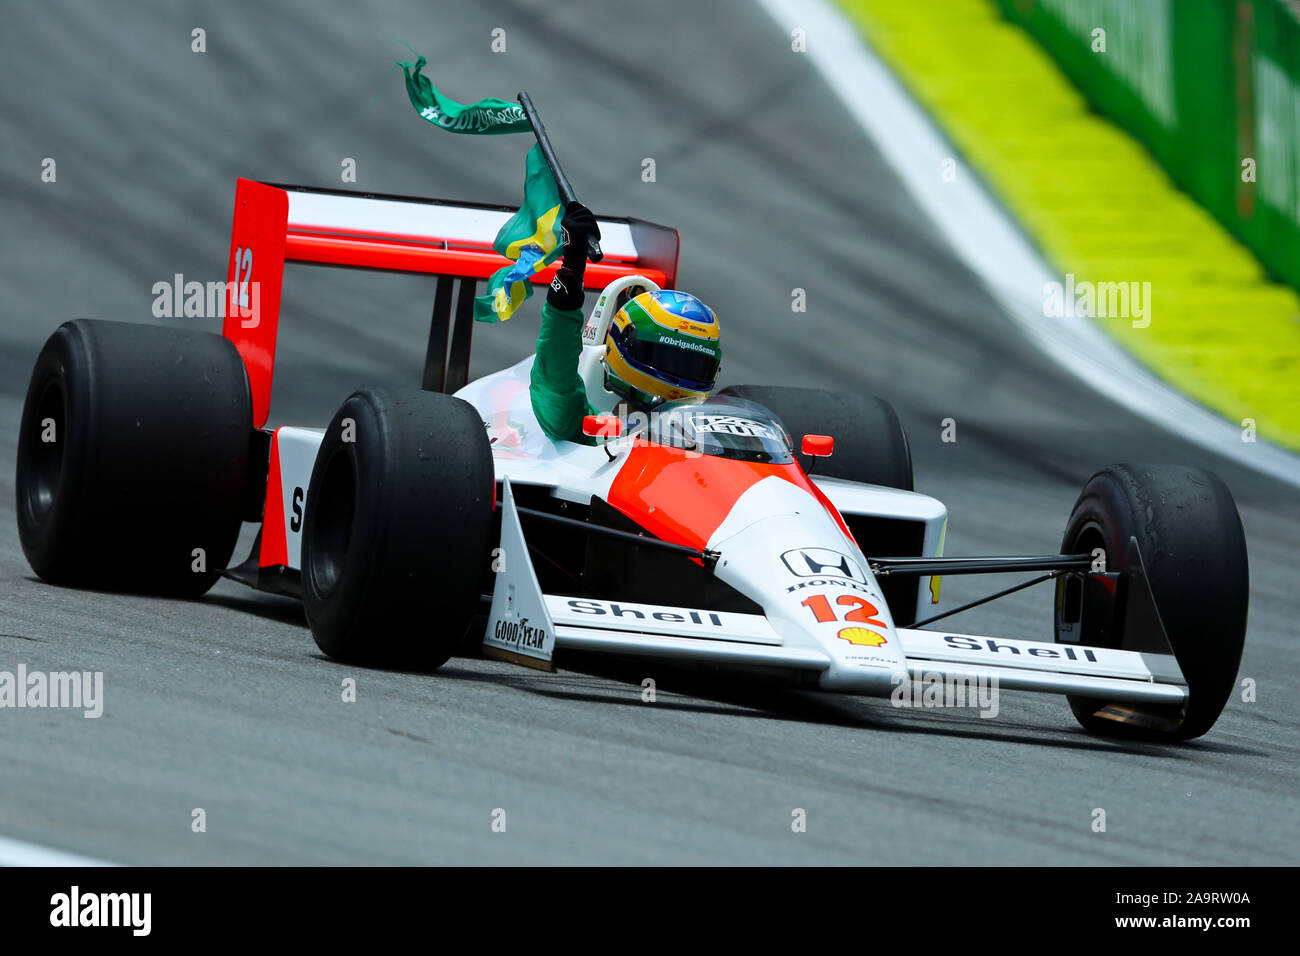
(548, 153)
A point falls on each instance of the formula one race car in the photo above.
(769, 529)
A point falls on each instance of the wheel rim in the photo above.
(330, 518)
(1086, 539)
(46, 461)
(1089, 538)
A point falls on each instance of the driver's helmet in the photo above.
(662, 346)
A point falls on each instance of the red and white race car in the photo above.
(769, 529)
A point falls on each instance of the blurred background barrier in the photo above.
(1152, 145)
(1211, 87)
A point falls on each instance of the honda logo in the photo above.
(822, 563)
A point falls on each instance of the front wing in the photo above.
(526, 626)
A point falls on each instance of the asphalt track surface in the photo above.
(225, 703)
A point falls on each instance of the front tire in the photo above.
(1192, 545)
(397, 530)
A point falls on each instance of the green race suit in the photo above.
(558, 394)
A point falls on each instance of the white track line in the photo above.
(18, 853)
(990, 243)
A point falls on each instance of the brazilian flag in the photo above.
(531, 238)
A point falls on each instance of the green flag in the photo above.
(531, 238)
(487, 116)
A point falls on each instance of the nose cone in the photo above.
(865, 657)
(816, 589)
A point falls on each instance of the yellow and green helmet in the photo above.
(663, 346)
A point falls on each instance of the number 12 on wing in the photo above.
(863, 612)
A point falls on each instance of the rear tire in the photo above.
(397, 530)
(870, 444)
(1194, 550)
(132, 454)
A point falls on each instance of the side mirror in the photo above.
(818, 446)
(602, 426)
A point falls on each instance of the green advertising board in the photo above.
(1210, 87)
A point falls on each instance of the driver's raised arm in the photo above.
(558, 395)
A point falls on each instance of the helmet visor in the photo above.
(696, 370)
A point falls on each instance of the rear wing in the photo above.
(275, 224)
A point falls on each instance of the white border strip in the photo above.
(989, 243)
(453, 223)
(18, 853)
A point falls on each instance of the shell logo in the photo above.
(694, 328)
(860, 635)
